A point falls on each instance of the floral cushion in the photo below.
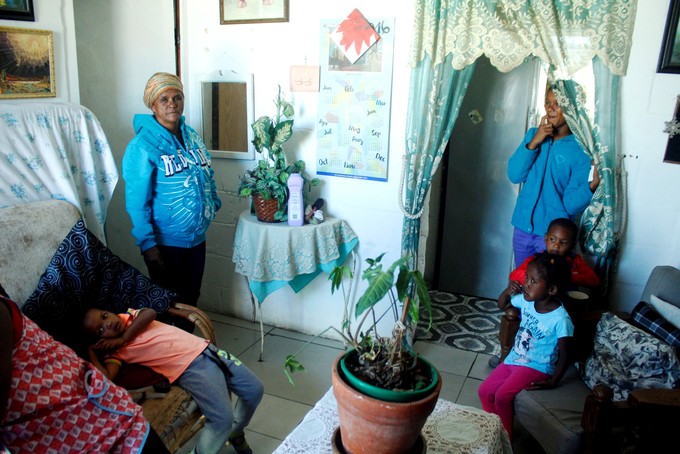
(84, 273)
(625, 357)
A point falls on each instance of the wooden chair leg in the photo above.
(508, 330)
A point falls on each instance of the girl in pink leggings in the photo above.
(539, 356)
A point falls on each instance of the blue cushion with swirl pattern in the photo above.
(84, 273)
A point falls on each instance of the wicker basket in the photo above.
(265, 209)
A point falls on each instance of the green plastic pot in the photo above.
(388, 395)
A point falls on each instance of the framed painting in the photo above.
(669, 60)
(26, 63)
(17, 10)
(253, 11)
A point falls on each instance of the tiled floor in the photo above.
(284, 405)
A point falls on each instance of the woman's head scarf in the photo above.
(157, 84)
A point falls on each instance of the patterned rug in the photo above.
(464, 322)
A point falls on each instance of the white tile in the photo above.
(446, 359)
(307, 337)
(481, 369)
(235, 339)
(276, 418)
(451, 386)
(259, 443)
(310, 384)
(468, 395)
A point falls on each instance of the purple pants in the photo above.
(525, 245)
(497, 393)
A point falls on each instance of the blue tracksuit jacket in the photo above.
(170, 192)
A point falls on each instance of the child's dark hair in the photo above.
(554, 269)
(87, 337)
(565, 224)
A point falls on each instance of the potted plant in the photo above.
(384, 390)
(267, 182)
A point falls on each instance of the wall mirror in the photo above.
(227, 111)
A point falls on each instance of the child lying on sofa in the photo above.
(206, 372)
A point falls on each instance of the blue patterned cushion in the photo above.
(648, 319)
(625, 357)
(84, 273)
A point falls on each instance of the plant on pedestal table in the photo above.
(269, 178)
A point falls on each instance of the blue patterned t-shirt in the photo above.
(535, 344)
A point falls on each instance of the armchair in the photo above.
(574, 418)
(53, 268)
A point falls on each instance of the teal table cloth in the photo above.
(272, 255)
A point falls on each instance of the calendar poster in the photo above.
(353, 126)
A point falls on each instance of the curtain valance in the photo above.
(567, 34)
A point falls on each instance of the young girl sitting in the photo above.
(206, 372)
(539, 357)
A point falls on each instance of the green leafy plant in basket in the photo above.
(270, 176)
(385, 362)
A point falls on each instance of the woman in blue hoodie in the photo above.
(554, 171)
(170, 192)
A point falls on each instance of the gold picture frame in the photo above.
(253, 11)
(27, 64)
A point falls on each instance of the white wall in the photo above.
(648, 100)
(267, 51)
(56, 16)
(121, 43)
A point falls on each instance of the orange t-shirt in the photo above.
(164, 348)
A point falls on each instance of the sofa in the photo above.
(573, 417)
(53, 267)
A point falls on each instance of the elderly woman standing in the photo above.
(170, 192)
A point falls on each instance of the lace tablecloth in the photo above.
(273, 255)
(451, 428)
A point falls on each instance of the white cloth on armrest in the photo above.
(56, 151)
(668, 311)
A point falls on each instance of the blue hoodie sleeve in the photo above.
(213, 186)
(522, 159)
(138, 173)
(577, 194)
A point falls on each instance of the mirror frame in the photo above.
(229, 76)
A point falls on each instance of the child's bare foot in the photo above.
(241, 4)
(267, 2)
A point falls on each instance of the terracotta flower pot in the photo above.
(369, 425)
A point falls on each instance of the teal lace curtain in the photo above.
(603, 221)
(566, 34)
(436, 94)
(598, 138)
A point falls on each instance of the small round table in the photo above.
(271, 255)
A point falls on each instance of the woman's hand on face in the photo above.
(544, 130)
